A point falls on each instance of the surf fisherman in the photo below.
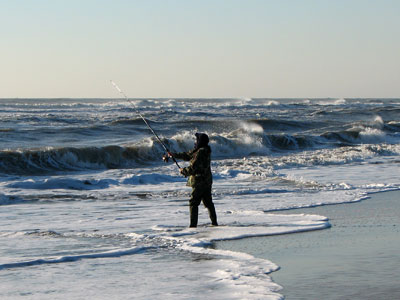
(200, 177)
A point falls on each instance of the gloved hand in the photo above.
(167, 156)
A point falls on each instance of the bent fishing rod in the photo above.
(145, 121)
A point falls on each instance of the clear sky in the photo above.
(207, 48)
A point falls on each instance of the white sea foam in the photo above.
(378, 122)
(252, 127)
(242, 274)
(63, 183)
(332, 102)
(372, 135)
(150, 179)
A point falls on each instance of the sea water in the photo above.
(89, 210)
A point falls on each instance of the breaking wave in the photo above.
(248, 139)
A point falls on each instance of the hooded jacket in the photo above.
(199, 170)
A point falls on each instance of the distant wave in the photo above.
(67, 158)
(358, 136)
(331, 102)
(132, 121)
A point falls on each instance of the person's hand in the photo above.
(182, 171)
(165, 158)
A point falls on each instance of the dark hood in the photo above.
(202, 140)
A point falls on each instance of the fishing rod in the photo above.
(145, 121)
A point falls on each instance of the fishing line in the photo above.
(144, 120)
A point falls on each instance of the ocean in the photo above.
(88, 209)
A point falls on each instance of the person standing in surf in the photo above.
(200, 177)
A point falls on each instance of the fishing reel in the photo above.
(165, 158)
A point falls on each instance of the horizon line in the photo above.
(197, 98)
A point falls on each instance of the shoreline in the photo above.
(356, 258)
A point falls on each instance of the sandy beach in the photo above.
(357, 258)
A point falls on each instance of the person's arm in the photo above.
(197, 166)
(186, 156)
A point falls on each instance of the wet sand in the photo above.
(357, 258)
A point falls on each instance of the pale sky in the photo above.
(207, 48)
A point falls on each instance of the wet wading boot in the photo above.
(213, 216)
(194, 213)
